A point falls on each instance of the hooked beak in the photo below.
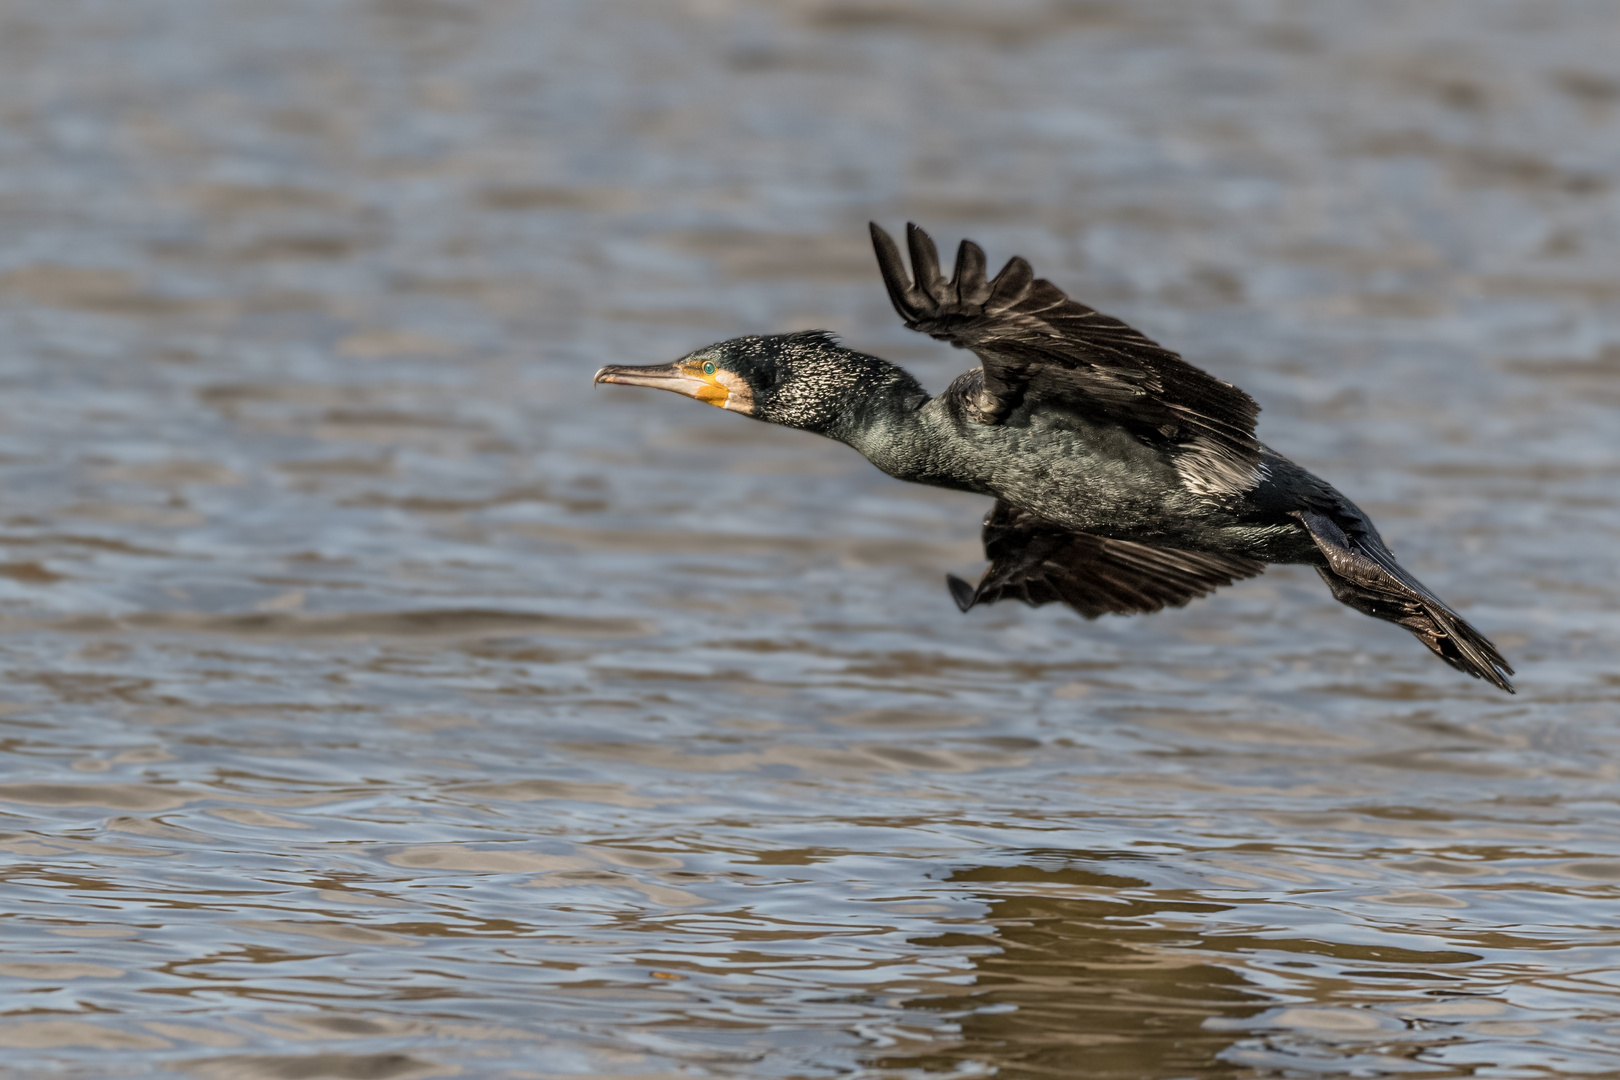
(682, 379)
(658, 376)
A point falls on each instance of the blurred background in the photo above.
(382, 701)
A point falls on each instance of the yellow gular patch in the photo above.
(711, 391)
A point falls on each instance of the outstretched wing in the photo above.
(1034, 340)
(1037, 562)
(1363, 574)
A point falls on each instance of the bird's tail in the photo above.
(1363, 574)
(1447, 634)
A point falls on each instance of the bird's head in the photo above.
(803, 380)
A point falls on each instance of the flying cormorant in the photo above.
(1125, 479)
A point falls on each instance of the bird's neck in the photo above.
(880, 419)
(859, 399)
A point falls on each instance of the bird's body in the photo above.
(1082, 474)
(1125, 479)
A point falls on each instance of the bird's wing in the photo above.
(1363, 574)
(1032, 339)
(1037, 562)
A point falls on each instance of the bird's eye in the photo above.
(708, 367)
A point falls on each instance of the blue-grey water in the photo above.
(380, 700)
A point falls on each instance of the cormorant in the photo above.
(1125, 479)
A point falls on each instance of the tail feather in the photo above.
(1363, 574)
(1447, 634)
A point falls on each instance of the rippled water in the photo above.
(381, 701)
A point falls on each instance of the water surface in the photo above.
(381, 701)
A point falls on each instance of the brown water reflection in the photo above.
(380, 702)
(1075, 979)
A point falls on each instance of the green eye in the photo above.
(708, 367)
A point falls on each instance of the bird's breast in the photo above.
(1087, 475)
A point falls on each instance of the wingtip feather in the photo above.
(902, 294)
(969, 276)
(961, 591)
(925, 262)
(1011, 285)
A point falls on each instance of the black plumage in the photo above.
(1037, 562)
(1126, 480)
